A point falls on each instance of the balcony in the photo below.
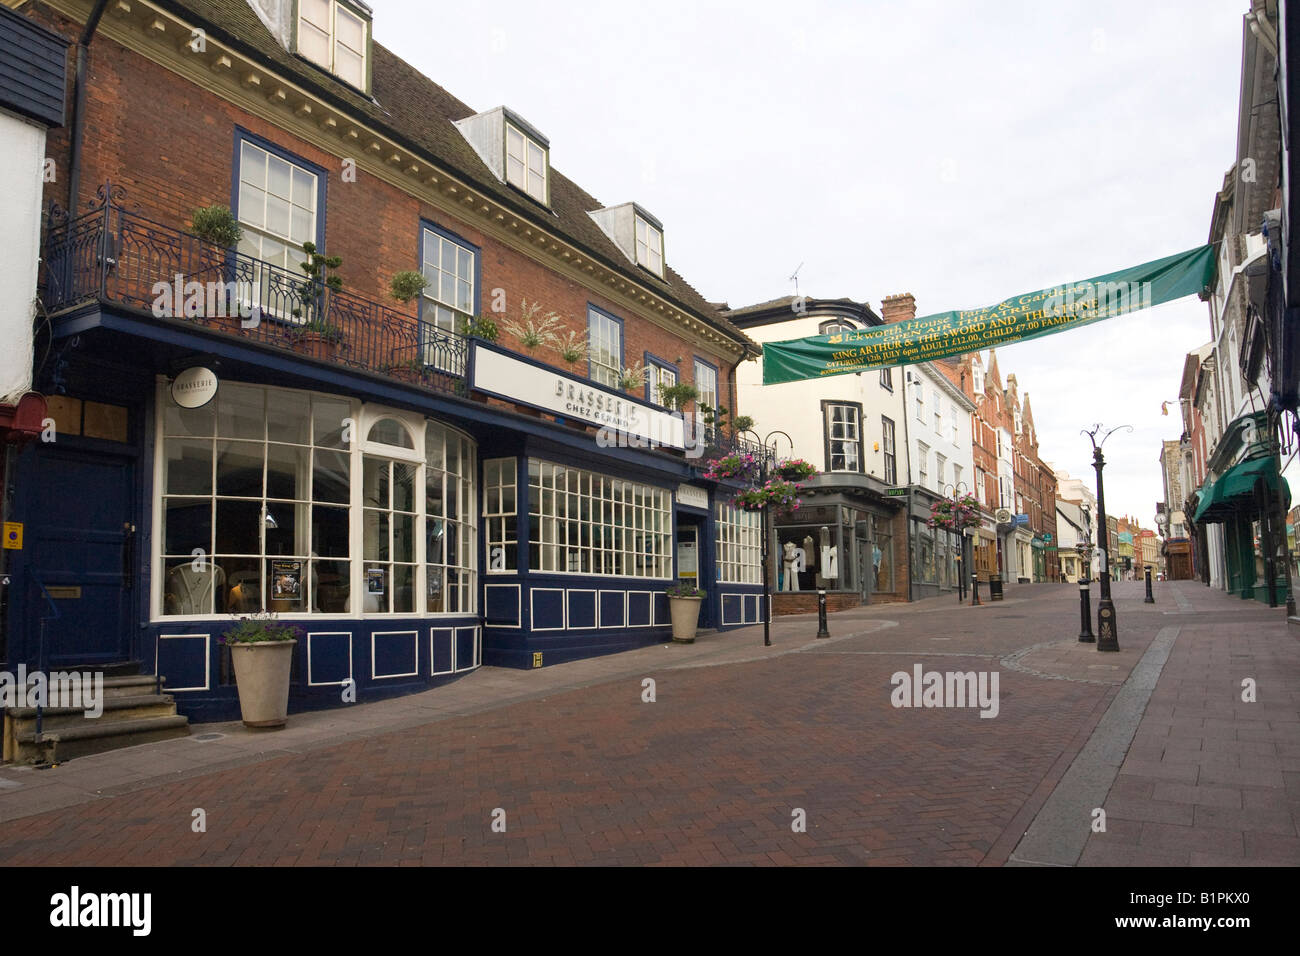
(115, 257)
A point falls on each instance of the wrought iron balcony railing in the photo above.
(114, 256)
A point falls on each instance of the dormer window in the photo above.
(649, 246)
(334, 36)
(525, 163)
(834, 327)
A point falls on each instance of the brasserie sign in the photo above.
(505, 376)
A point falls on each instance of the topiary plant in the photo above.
(406, 285)
(217, 225)
(676, 396)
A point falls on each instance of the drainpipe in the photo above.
(79, 104)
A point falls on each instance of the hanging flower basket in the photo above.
(955, 514)
(741, 465)
(795, 469)
(777, 492)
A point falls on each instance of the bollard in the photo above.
(974, 588)
(821, 613)
(1149, 598)
(1085, 614)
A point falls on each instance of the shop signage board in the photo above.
(528, 383)
(194, 387)
(1016, 319)
(692, 497)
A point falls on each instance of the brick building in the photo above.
(418, 499)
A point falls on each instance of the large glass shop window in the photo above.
(255, 504)
(257, 508)
(584, 523)
(739, 545)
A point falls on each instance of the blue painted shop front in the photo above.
(537, 583)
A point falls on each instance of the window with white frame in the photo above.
(604, 347)
(835, 327)
(977, 377)
(449, 268)
(706, 384)
(887, 444)
(843, 437)
(920, 403)
(451, 540)
(649, 246)
(525, 163)
(277, 207)
(956, 435)
(739, 545)
(938, 415)
(659, 377)
(922, 464)
(581, 522)
(940, 469)
(269, 502)
(500, 515)
(332, 36)
(887, 378)
(956, 477)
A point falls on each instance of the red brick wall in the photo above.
(170, 144)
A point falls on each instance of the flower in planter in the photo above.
(795, 469)
(680, 590)
(776, 492)
(259, 628)
(741, 465)
(572, 347)
(531, 330)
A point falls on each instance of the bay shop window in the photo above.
(297, 503)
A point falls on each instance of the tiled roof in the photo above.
(419, 114)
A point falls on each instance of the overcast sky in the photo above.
(963, 152)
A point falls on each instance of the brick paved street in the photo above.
(712, 771)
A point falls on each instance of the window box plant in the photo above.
(684, 602)
(261, 649)
(318, 339)
(676, 396)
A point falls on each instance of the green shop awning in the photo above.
(1235, 489)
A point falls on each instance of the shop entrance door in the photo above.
(80, 543)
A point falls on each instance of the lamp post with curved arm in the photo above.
(766, 462)
(951, 491)
(1107, 633)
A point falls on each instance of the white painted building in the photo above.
(852, 428)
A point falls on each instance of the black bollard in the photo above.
(1085, 614)
(974, 588)
(1149, 598)
(821, 613)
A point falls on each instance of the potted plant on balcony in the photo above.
(684, 608)
(676, 396)
(261, 649)
(406, 285)
(739, 465)
(412, 370)
(217, 225)
(220, 232)
(632, 377)
(534, 331)
(572, 347)
(479, 327)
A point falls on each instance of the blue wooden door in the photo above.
(80, 541)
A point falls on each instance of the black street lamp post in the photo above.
(1107, 633)
(951, 491)
(766, 463)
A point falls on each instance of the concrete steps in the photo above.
(133, 713)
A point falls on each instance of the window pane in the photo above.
(288, 417)
(239, 527)
(329, 531)
(329, 420)
(239, 468)
(240, 411)
(188, 526)
(331, 476)
(286, 471)
(188, 467)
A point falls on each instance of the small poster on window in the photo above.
(286, 581)
(374, 580)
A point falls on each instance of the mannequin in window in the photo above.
(791, 567)
(189, 591)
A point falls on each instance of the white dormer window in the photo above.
(525, 164)
(332, 36)
(649, 247)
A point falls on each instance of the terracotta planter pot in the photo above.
(262, 677)
(685, 613)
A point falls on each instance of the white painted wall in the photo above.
(954, 407)
(23, 145)
(795, 407)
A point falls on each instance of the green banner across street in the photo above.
(1012, 320)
